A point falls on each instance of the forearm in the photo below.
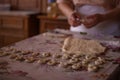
(113, 14)
(67, 9)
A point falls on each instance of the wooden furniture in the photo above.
(16, 26)
(5, 7)
(48, 23)
(31, 5)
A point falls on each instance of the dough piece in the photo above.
(65, 56)
(73, 60)
(99, 61)
(90, 57)
(19, 58)
(43, 61)
(2, 54)
(30, 60)
(92, 68)
(57, 55)
(52, 62)
(26, 52)
(35, 54)
(76, 56)
(46, 55)
(83, 47)
(76, 66)
(85, 62)
(63, 64)
(13, 56)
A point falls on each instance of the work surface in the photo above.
(47, 42)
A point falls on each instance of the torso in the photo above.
(88, 1)
(109, 27)
(108, 4)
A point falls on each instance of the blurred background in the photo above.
(21, 19)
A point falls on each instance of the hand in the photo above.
(93, 20)
(74, 19)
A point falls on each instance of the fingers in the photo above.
(89, 25)
(91, 21)
(76, 15)
(74, 22)
(74, 19)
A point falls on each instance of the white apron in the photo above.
(110, 27)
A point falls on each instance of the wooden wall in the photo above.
(34, 5)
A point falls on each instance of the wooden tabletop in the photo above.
(51, 43)
(52, 18)
(18, 13)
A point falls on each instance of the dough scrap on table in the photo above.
(82, 46)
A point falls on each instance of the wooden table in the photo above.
(47, 43)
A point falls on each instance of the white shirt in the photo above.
(110, 27)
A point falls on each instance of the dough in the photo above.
(82, 46)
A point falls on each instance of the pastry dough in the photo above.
(82, 46)
(92, 68)
(52, 62)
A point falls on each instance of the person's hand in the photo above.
(93, 20)
(74, 19)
